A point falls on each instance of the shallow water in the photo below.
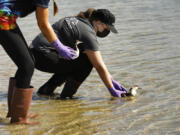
(145, 52)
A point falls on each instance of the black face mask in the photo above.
(103, 34)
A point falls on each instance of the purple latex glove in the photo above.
(117, 85)
(116, 93)
(65, 51)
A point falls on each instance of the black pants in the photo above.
(51, 63)
(69, 71)
(16, 47)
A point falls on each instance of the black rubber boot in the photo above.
(70, 88)
(49, 87)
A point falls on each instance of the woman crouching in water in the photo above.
(79, 32)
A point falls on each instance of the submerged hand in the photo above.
(65, 51)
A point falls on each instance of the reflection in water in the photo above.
(69, 117)
(76, 116)
(73, 117)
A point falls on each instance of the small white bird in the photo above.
(133, 90)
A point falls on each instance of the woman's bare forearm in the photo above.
(98, 64)
(44, 25)
(105, 76)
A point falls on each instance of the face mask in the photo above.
(103, 34)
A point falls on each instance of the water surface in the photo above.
(145, 52)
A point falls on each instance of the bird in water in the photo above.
(132, 92)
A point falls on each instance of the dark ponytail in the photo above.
(103, 15)
(87, 14)
(55, 7)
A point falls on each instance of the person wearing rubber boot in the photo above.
(79, 32)
(12, 40)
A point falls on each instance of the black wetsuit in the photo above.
(68, 30)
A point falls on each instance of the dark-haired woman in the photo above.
(84, 29)
(12, 40)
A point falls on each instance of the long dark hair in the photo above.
(56, 9)
(86, 14)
